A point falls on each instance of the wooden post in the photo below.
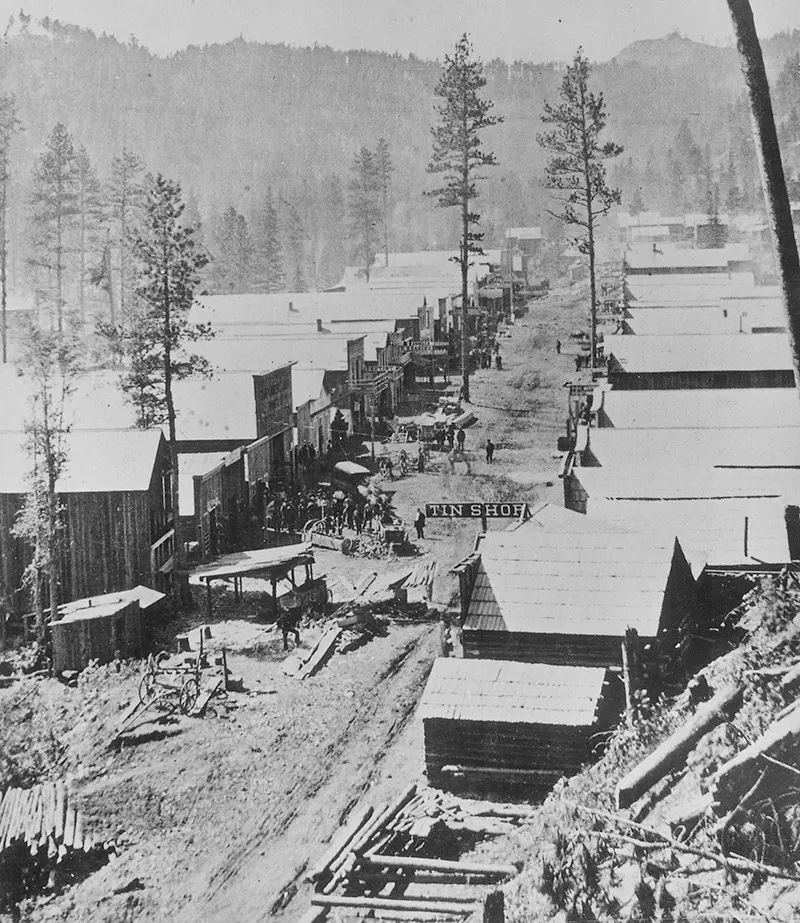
(224, 669)
(630, 669)
(208, 598)
(772, 176)
(274, 583)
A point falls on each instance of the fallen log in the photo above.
(339, 843)
(736, 776)
(442, 865)
(674, 750)
(428, 905)
(378, 822)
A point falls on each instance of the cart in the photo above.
(177, 686)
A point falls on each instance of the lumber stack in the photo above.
(381, 860)
(41, 829)
(42, 817)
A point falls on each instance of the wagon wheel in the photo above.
(190, 690)
(383, 467)
(147, 688)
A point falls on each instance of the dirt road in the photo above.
(216, 818)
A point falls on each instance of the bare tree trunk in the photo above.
(465, 269)
(772, 176)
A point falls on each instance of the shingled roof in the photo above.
(513, 693)
(570, 583)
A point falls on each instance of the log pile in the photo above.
(380, 862)
(40, 831)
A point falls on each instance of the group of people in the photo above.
(482, 357)
(451, 435)
(293, 508)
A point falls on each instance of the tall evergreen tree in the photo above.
(365, 209)
(54, 210)
(50, 360)
(458, 157)
(384, 169)
(125, 196)
(575, 172)
(9, 125)
(269, 251)
(332, 257)
(232, 268)
(90, 205)
(296, 245)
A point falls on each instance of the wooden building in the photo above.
(664, 259)
(567, 596)
(505, 722)
(704, 408)
(692, 362)
(115, 498)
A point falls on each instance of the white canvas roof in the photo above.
(701, 353)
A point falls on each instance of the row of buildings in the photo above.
(681, 483)
(290, 372)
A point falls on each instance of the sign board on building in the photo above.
(477, 510)
(437, 347)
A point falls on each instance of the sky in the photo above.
(530, 30)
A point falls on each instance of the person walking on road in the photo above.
(460, 437)
(419, 524)
(287, 622)
(451, 432)
(489, 451)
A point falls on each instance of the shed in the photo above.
(99, 632)
(730, 317)
(567, 597)
(704, 408)
(513, 722)
(685, 289)
(692, 362)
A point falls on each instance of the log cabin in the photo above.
(503, 722)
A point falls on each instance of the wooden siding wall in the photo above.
(225, 489)
(692, 381)
(570, 650)
(106, 543)
(78, 641)
(575, 496)
(273, 401)
(552, 750)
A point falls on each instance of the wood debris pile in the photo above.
(384, 861)
(41, 833)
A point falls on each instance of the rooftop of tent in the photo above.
(594, 583)
(712, 408)
(514, 693)
(735, 352)
(97, 461)
(687, 289)
(258, 353)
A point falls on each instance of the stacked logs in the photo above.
(41, 829)
(379, 861)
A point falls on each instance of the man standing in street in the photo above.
(460, 437)
(489, 451)
(419, 524)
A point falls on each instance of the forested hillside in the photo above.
(235, 122)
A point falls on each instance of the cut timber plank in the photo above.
(339, 843)
(441, 865)
(61, 811)
(384, 903)
(205, 695)
(676, 748)
(378, 822)
(321, 652)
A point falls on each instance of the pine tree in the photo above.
(50, 360)
(332, 257)
(268, 245)
(9, 125)
(576, 172)
(232, 268)
(296, 245)
(125, 196)
(384, 169)
(54, 210)
(365, 209)
(90, 207)
(458, 156)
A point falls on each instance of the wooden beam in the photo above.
(429, 905)
(441, 865)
